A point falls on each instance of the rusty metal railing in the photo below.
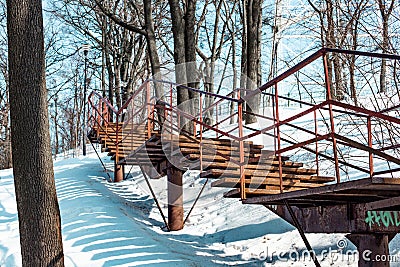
(154, 113)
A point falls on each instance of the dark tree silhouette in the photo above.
(38, 211)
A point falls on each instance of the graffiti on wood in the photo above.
(382, 218)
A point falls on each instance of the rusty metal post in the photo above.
(148, 110)
(216, 119)
(118, 168)
(316, 140)
(371, 157)
(153, 114)
(278, 133)
(175, 198)
(241, 149)
(106, 123)
(99, 118)
(332, 122)
(201, 131)
(170, 96)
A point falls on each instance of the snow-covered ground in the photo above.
(108, 224)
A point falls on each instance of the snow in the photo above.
(105, 224)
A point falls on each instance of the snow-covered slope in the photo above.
(108, 224)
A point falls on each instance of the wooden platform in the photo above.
(359, 191)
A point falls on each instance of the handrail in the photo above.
(199, 91)
(318, 54)
(166, 109)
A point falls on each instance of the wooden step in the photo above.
(212, 143)
(129, 136)
(223, 164)
(235, 193)
(257, 172)
(272, 166)
(235, 182)
(206, 151)
(230, 142)
(196, 147)
(127, 145)
(219, 174)
(252, 160)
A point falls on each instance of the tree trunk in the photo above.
(385, 14)
(178, 26)
(56, 141)
(385, 46)
(243, 61)
(152, 47)
(254, 13)
(103, 53)
(38, 211)
(110, 73)
(352, 65)
(117, 77)
(330, 42)
(190, 48)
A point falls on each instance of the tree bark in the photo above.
(152, 47)
(38, 211)
(385, 14)
(178, 27)
(243, 61)
(254, 15)
(190, 48)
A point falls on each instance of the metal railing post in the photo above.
(148, 110)
(241, 148)
(278, 134)
(117, 139)
(216, 119)
(331, 118)
(201, 131)
(371, 157)
(316, 140)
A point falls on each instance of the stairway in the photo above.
(218, 160)
(311, 202)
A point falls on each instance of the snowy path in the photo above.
(101, 228)
(108, 224)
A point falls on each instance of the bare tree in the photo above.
(38, 211)
(385, 11)
(253, 55)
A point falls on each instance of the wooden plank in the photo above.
(206, 151)
(256, 172)
(268, 163)
(235, 193)
(387, 181)
(218, 147)
(167, 136)
(235, 182)
(263, 158)
(122, 136)
(252, 160)
(383, 204)
(218, 174)
(255, 169)
(323, 190)
(208, 159)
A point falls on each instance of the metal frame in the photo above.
(153, 109)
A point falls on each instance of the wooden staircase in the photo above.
(311, 202)
(218, 160)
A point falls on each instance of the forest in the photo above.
(210, 94)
